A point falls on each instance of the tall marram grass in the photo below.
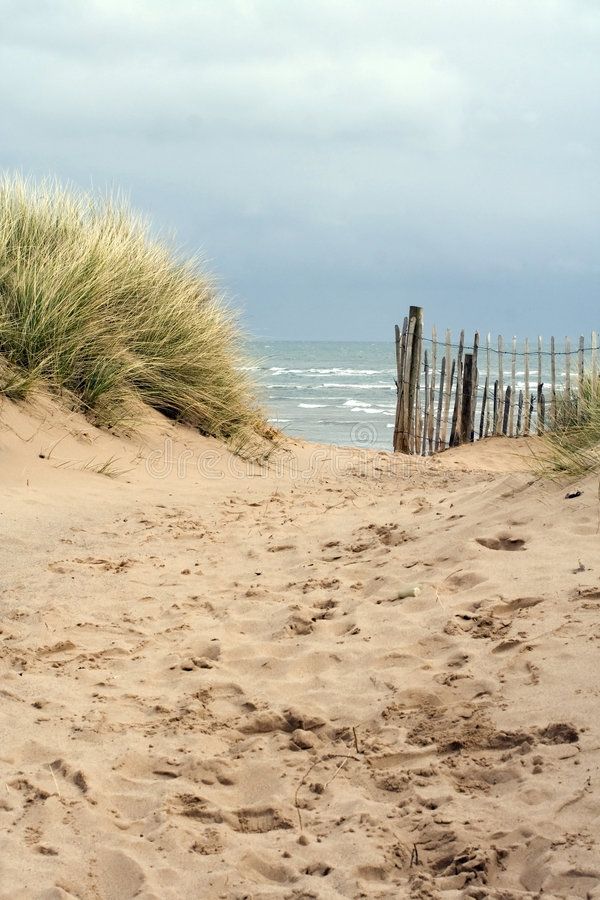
(95, 309)
(572, 447)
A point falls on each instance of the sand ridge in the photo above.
(214, 683)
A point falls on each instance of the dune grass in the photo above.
(572, 447)
(96, 310)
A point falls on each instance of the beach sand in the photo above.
(217, 681)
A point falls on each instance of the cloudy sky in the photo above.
(333, 160)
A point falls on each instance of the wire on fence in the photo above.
(483, 348)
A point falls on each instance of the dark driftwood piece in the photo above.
(466, 412)
(530, 404)
(454, 436)
(506, 410)
(416, 316)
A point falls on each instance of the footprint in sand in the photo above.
(119, 876)
(502, 542)
(324, 609)
(478, 626)
(314, 584)
(505, 646)
(107, 565)
(463, 581)
(257, 820)
(75, 776)
(331, 551)
(208, 844)
(303, 619)
(270, 870)
(300, 623)
(518, 604)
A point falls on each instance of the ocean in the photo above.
(344, 393)
(328, 391)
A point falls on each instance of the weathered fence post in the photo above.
(431, 401)
(482, 420)
(495, 408)
(594, 385)
(416, 316)
(466, 412)
(581, 367)
(540, 395)
(436, 440)
(486, 400)
(447, 391)
(506, 413)
(499, 421)
(405, 431)
(422, 448)
(400, 385)
(513, 386)
(527, 424)
(474, 385)
(454, 432)
(553, 379)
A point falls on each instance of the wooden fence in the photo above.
(450, 394)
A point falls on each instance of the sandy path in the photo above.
(210, 689)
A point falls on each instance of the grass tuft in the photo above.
(93, 308)
(572, 447)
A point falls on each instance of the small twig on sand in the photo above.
(339, 769)
(301, 782)
(414, 857)
(55, 781)
(335, 505)
(344, 756)
(355, 738)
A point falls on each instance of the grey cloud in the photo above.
(341, 157)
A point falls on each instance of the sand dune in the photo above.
(219, 681)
